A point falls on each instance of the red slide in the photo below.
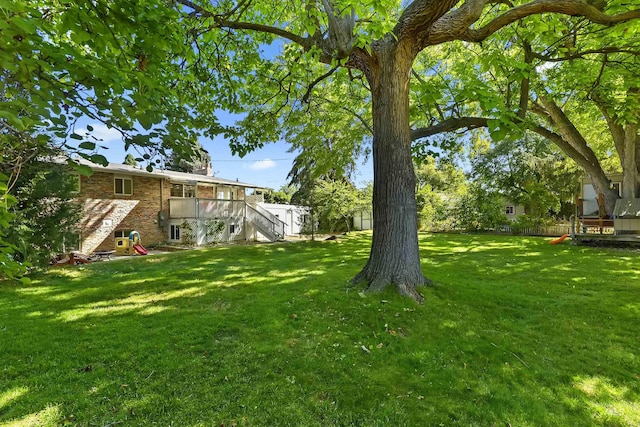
(140, 250)
(555, 241)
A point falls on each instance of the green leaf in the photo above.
(99, 159)
(83, 170)
(87, 145)
(499, 134)
(13, 119)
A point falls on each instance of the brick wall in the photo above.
(105, 212)
(206, 192)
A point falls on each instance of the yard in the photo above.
(514, 332)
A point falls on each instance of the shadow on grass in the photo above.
(515, 331)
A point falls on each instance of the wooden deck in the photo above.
(596, 238)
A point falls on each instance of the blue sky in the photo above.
(268, 166)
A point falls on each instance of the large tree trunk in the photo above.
(629, 162)
(394, 257)
(625, 138)
(574, 145)
(602, 185)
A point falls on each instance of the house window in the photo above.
(510, 210)
(183, 190)
(232, 228)
(174, 232)
(123, 186)
(189, 190)
(176, 190)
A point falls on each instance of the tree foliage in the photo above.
(531, 172)
(480, 209)
(335, 202)
(440, 185)
(45, 215)
(130, 160)
(200, 160)
(280, 196)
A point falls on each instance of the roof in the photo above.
(161, 173)
(626, 208)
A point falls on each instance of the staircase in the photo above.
(268, 224)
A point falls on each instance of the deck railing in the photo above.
(205, 208)
(267, 223)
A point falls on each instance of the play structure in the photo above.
(131, 245)
(135, 243)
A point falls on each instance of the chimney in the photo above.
(206, 171)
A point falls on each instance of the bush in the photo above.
(479, 210)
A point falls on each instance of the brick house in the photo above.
(166, 206)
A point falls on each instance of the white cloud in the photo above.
(101, 132)
(262, 165)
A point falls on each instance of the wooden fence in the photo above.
(547, 231)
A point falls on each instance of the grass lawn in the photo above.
(515, 332)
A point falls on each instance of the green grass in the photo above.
(514, 332)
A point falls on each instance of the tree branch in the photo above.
(233, 25)
(307, 95)
(450, 125)
(221, 21)
(526, 83)
(449, 26)
(565, 7)
(420, 15)
(580, 55)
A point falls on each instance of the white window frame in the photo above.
(123, 178)
(183, 190)
(510, 210)
(195, 191)
(171, 187)
(175, 233)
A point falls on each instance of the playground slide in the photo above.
(140, 250)
(559, 239)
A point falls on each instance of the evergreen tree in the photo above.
(130, 160)
(45, 215)
(199, 160)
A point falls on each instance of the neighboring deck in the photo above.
(623, 227)
(596, 238)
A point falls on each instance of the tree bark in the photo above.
(629, 162)
(395, 257)
(578, 149)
